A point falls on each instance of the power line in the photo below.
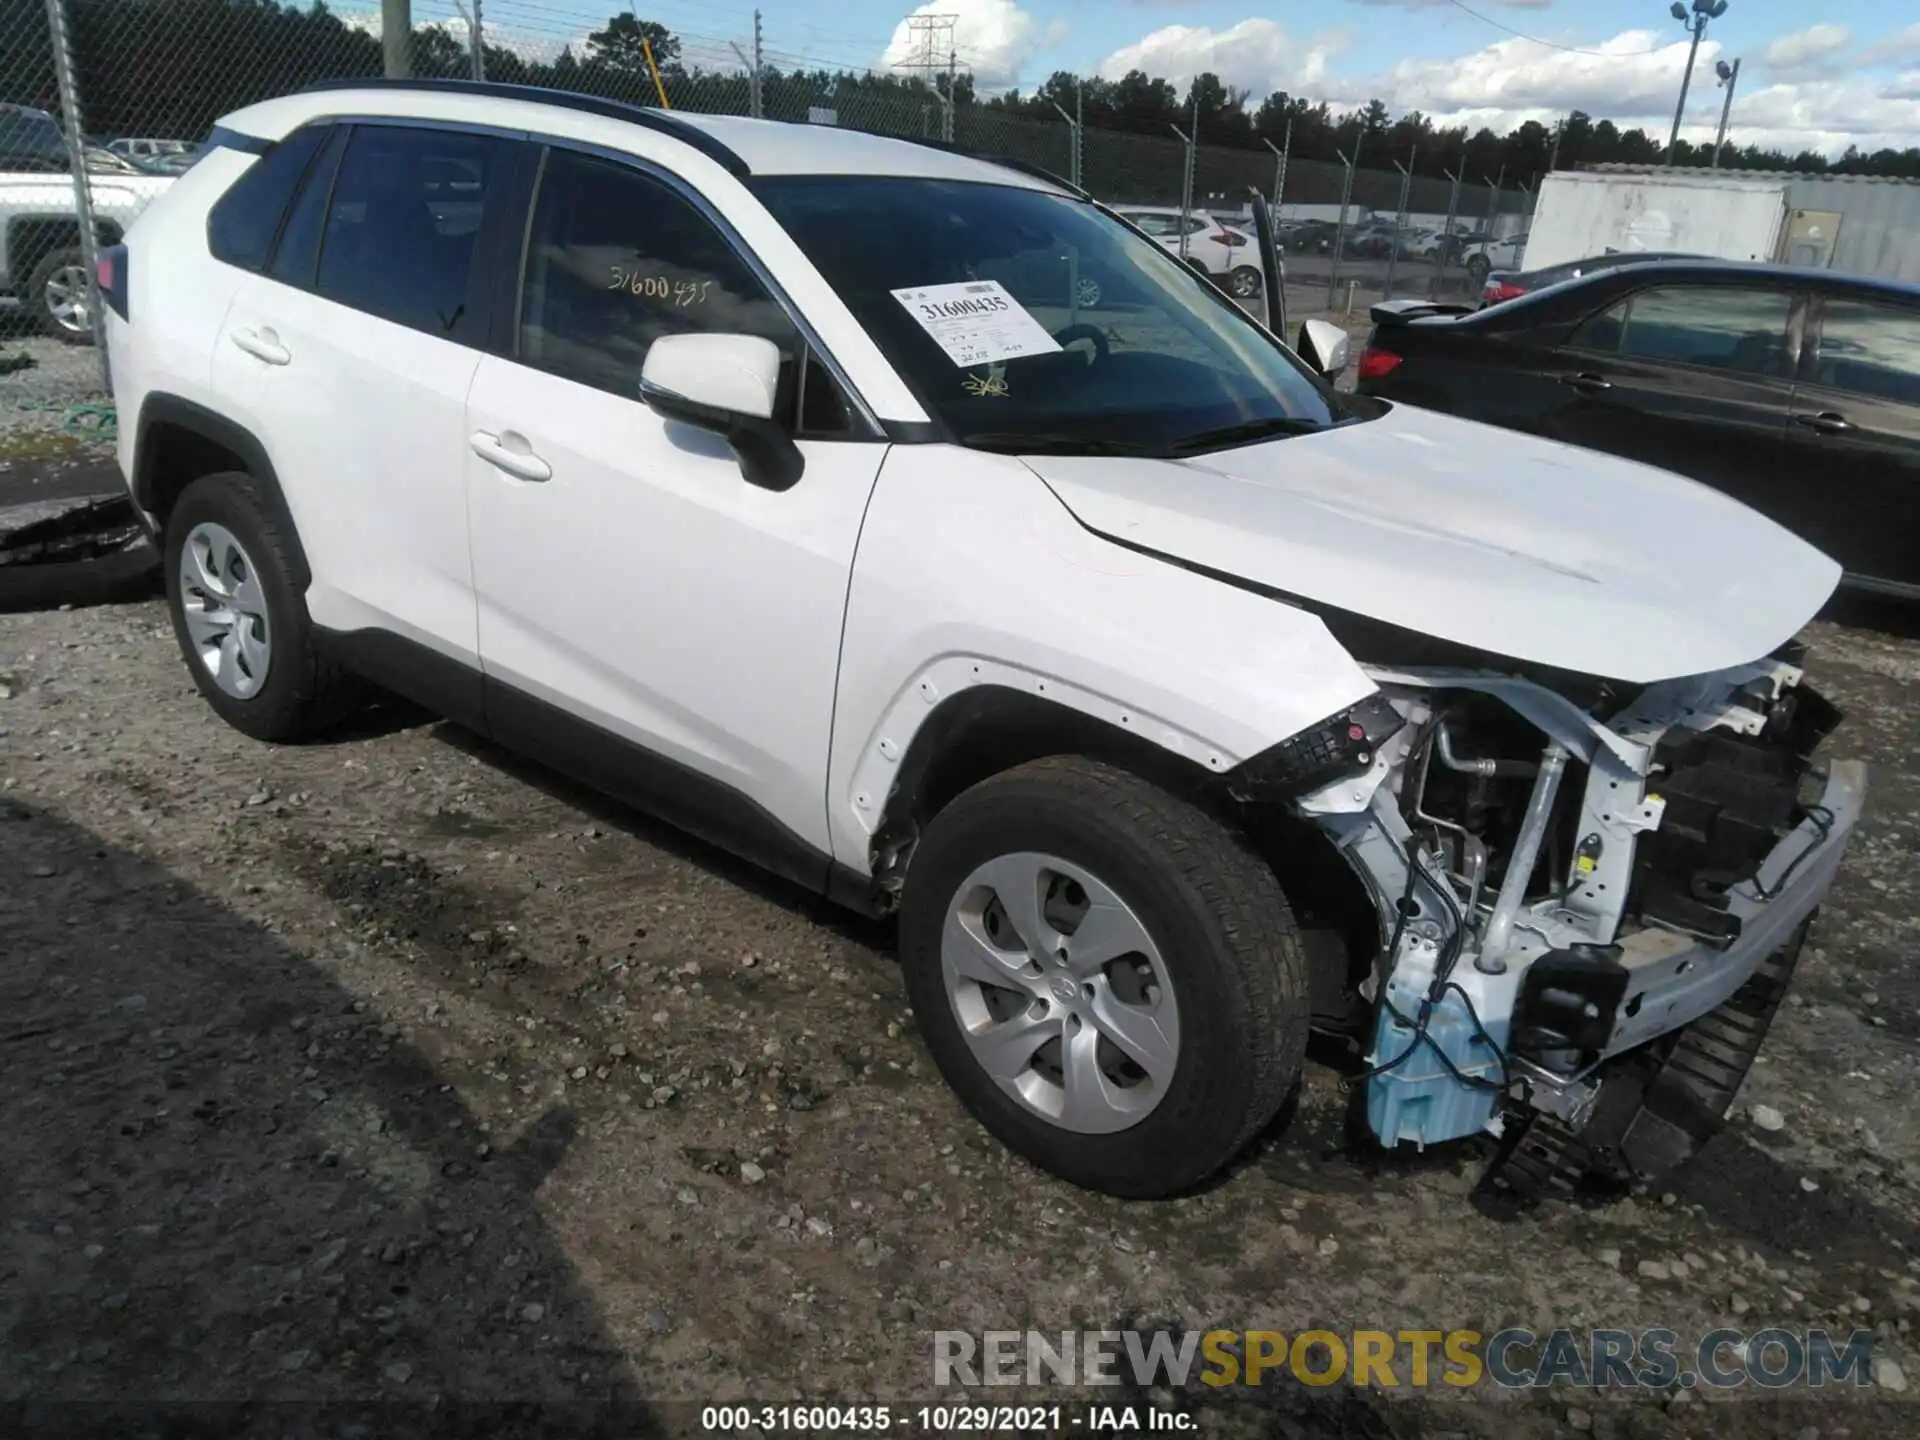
(1551, 44)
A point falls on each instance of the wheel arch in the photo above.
(178, 441)
(987, 728)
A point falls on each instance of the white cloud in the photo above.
(991, 39)
(1902, 44)
(1811, 51)
(1255, 55)
(1633, 79)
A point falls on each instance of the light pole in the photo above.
(1703, 11)
(1729, 77)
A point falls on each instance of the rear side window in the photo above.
(1720, 327)
(404, 223)
(1871, 350)
(243, 222)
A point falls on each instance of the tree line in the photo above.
(170, 67)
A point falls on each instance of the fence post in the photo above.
(1340, 226)
(475, 51)
(1186, 181)
(1280, 153)
(1073, 143)
(396, 30)
(1493, 197)
(1400, 217)
(754, 98)
(65, 79)
(1443, 257)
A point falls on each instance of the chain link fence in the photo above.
(149, 77)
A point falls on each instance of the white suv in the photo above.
(1228, 254)
(777, 478)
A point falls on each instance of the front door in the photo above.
(636, 591)
(1693, 378)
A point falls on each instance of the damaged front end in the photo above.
(1587, 897)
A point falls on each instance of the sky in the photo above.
(1850, 76)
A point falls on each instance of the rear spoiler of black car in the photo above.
(1399, 312)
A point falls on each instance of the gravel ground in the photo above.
(392, 1067)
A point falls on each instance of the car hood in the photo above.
(1499, 541)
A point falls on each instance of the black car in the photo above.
(1512, 284)
(1794, 390)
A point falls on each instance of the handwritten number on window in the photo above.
(658, 287)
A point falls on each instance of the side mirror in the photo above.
(1323, 345)
(725, 384)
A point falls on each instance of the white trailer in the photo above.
(1583, 213)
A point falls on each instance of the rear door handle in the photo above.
(1827, 422)
(262, 345)
(1587, 383)
(510, 452)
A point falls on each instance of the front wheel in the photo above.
(1477, 268)
(1244, 282)
(1109, 979)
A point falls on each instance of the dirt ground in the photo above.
(392, 1069)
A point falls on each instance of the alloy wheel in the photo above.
(65, 295)
(1061, 994)
(225, 610)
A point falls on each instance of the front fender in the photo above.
(970, 572)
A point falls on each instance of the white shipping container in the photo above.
(1583, 213)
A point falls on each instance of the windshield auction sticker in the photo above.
(977, 322)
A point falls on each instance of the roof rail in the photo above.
(1025, 167)
(665, 121)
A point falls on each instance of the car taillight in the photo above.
(1498, 290)
(1227, 237)
(1375, 362)
(110, 271)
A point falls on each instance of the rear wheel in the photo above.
(1477, 268)
(1244, 282)
(61, 298)
(1109, 979)
(241, 623)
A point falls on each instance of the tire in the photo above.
(51, 292)
(293, 693)
(1477, 268)
(1244, 282)
(1217, 933)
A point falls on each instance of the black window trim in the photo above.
(867, 425)
(1799, 302)
(299, 193)
(263, 149)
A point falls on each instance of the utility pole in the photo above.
(396, 32)
(1729, 77)
(1703, 11)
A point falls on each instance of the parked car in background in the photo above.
(1512, 284)
(41, 263)
(1794, 390)
(1483, 257)
(1308, 237)
(1224, 252)
(162, 154)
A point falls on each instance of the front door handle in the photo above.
(262, 345)
(1827, 422)
(510, 452)
(1587, 383)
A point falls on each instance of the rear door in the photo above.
(1695, 378)
(357, 346)
(1854, 438)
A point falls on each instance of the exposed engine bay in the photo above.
(1570, 878)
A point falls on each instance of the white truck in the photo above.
(41, 264)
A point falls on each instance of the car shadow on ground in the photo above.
(224, 1182)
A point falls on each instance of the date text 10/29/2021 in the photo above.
(816, 1419)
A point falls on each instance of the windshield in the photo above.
(1121, 347)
